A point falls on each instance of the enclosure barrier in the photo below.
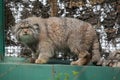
(17, 69)
(1, 30)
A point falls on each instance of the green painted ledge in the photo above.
(19, 70)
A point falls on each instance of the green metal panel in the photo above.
(13, 68)
(24, 71)
(88, 72)
(1, 29)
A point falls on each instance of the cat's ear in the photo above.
(36, 27)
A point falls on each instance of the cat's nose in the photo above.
(25, 31)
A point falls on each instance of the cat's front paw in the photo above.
(40, 61)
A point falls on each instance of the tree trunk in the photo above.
(54, 7)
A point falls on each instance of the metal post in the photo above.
(1, 30)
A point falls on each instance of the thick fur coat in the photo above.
(60, 33)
